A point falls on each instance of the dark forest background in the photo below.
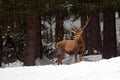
(25, 35)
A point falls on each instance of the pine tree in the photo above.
(31, 45)
(39, 47)
(97, 33)
(108, 7)
(58, 9)
(92, 35)
(1, 46)
(1, 40)
(59, 32)
(95, 39)
(109, 35)
(34, 10)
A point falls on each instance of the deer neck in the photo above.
(80, 40)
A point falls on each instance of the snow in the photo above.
(44, 61)
(86, 70)
(15, 64)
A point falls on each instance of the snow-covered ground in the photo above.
(85, 70)
(45, 61)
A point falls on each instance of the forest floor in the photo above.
(89, 69)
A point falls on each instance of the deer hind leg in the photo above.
(59, 60)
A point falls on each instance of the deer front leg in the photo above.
(75, 58)
(60, 57)
(75, 55)
(80, 56)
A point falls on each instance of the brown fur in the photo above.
(72, 47)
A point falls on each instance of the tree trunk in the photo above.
(118, 13)
(92, 34)
(40, 53)
(109, 35)
(87, 35)
(97, 42)
(31, 45)
(1, 42)
(83, 19)
(59, 32)
(1, 46)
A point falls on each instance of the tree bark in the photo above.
(119, 13)
(83, 19)
(1, 41)
(1, 46)
(91, 34)
(97, 42)
(31, 45)
(40, 53)
(109, 35)
(59, 32)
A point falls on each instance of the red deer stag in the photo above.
(72, 47)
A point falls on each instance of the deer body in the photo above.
(72, 47)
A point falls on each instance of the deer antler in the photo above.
(73, 27)
(86, 23)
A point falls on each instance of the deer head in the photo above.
(78, 32)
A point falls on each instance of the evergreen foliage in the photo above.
(46, 9)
